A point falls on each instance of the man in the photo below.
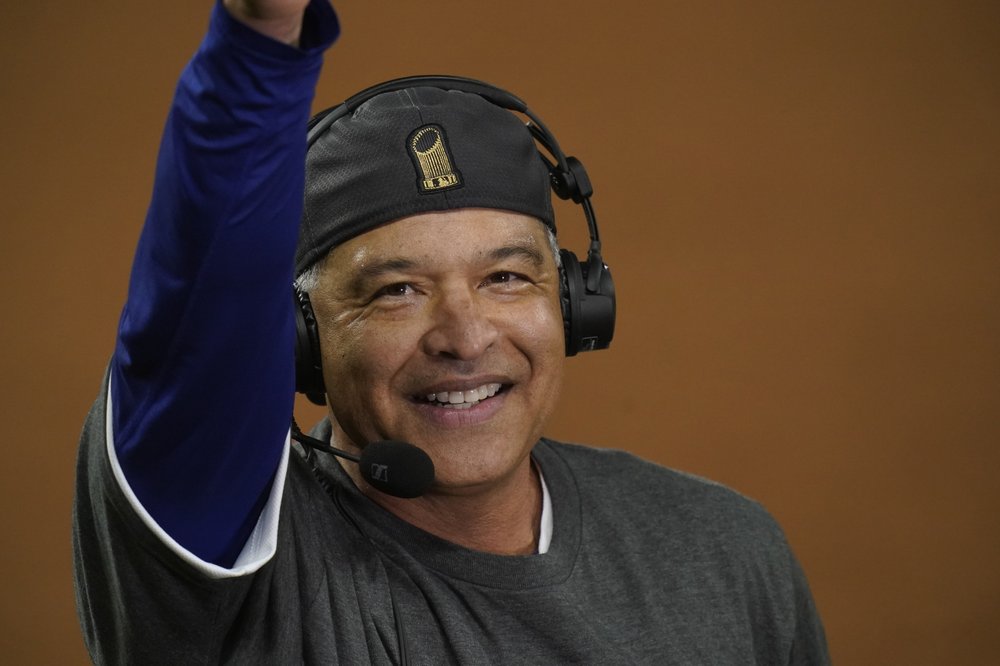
(201, 537)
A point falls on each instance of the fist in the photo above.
(278, 19)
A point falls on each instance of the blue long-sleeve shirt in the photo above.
(202, 375)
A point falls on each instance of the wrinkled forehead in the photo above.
(415, 151)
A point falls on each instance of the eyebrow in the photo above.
(380, 268)
(518, 250)
(375, 270)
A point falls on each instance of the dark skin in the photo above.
(463, 306)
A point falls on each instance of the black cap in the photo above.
(413, 151)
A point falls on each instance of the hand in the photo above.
(278, 19)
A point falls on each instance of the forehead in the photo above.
(442, 239)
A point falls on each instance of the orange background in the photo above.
(800, 204)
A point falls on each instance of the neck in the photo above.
(503, 518)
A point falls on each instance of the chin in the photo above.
(470, 469)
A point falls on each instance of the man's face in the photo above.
(444, 330)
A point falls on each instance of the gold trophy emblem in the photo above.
(427, 145)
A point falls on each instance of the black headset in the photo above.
(587, 293)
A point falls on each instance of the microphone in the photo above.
(396, 468)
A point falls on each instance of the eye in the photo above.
(395, 290)
(504, 278)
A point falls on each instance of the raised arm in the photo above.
(202, 375)
(281, 20)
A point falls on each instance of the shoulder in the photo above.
(694, 546)
(635, 479)
(645, 496)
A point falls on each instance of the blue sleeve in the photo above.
(203, 370)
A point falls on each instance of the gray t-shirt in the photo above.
(646, 566)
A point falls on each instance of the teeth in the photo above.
(463, 399)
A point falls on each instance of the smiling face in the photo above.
(444, 330)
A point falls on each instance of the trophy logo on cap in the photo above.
(432, 159)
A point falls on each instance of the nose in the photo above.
(461, 327)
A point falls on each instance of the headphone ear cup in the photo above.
(588, 316)
(571, 276)
(308, 361)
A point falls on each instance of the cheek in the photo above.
(541, 331)
(357, 368)
(538, 334)
(350, 356)
(363, 360)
